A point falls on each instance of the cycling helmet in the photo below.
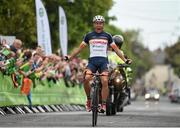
(98, 18)
(118, 39)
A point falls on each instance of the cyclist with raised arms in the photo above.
(98, 42)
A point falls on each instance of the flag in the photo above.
(43, 31)
(63, 31)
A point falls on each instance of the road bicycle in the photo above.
(95, 96)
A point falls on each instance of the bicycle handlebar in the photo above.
(124, 65)
(66, 58)
(95, 74)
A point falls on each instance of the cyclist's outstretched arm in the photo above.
(118, 51)
(78, 50)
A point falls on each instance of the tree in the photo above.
(18, 19)
(173, 55)
(79, 17)
(141, 56)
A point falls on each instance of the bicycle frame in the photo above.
(95, 88)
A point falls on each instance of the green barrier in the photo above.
(41, 95)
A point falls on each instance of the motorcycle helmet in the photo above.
(118, 39)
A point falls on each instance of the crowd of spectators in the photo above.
(26, 65)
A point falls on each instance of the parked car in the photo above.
(152, 94)
(133, 95)
(174, 95)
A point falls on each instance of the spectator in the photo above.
(17, 44)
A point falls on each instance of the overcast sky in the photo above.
(158, 20)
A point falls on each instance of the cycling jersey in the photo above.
(98, 43)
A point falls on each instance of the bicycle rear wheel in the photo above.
(95, 99)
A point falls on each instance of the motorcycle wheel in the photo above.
(110, 108)
(120, 109)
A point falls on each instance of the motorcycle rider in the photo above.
(114, 60)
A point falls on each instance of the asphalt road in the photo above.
(139, 114)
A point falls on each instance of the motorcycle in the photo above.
(119, 92)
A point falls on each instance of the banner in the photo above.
(41, 95)
(43, 31)
(9, 39)
(63, 31)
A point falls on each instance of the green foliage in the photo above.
(141, 56)
(113, 30)
(173, 55)
(79, 18)
(18, 18)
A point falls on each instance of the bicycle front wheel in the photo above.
(95, 99)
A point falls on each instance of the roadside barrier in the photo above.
(40, 109)
(45, 98)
